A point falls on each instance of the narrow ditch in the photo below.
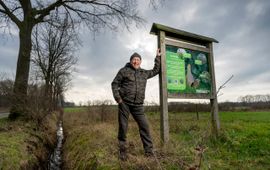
(55, 158)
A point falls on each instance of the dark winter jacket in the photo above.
(129, 83)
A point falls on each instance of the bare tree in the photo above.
(26, 14)
(53, 58)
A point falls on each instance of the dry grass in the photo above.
(243, 142)
(91, 143)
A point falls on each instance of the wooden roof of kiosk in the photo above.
(182, 35)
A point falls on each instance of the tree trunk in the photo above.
(48, 93)
(19, 99)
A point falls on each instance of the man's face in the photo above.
(136, 62)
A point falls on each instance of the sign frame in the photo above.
(179, 38)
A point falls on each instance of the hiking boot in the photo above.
(149, 154)
(123, 154)
(122, 151)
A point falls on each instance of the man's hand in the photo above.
(158, 52)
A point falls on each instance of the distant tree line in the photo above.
(254, 98)
(244, 103)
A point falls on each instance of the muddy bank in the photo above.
(43, 141)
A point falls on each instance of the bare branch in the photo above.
(156, 3)
(2, 11)
(9, 13)
(46, 11)
(223, 85)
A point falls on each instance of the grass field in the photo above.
(13, 152)
(23, 144)
(75, 109)
(244, 142)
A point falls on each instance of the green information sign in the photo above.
(187, 71)
(175, 71)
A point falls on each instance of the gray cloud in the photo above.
(242, 27)
(8, 54)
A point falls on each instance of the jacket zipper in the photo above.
(136, 85)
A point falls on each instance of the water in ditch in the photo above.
(55, 159)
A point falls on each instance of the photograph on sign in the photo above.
(187, 71)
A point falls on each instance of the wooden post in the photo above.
(164, 122)
(186, 40)
(213, 100)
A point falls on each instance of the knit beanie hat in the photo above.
(135, 55)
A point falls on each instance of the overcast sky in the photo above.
(242, 28)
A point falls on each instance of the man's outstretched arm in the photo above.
(156, 69)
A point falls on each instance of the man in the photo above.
(128, 89)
